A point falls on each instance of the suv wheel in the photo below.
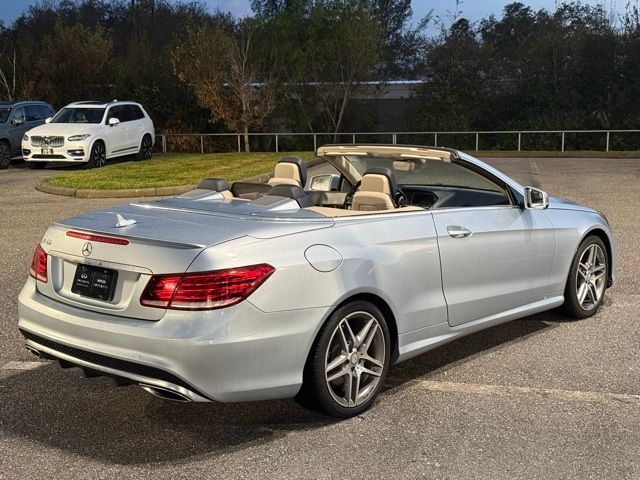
(5, 155)
(98, 156)
(146, 148)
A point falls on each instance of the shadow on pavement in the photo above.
(63, 410)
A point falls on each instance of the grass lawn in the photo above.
(174, 169)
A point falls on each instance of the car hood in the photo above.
(64, 129)
(564, 204)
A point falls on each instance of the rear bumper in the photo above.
(234, 354)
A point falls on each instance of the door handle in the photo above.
(456, 231)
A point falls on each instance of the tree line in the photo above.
(300, 64)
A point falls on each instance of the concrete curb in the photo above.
(143, 192)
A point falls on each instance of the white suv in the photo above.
(91, 133)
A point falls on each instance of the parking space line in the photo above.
(504, 391)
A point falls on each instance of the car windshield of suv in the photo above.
(79, 115)
(4, 114)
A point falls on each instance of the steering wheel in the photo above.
(348, 199)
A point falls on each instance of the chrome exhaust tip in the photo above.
(165, 393)
(37, 353)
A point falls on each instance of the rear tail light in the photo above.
(38, 269)
(204, 290)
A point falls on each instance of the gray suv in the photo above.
(16, 118)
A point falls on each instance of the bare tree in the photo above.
(8, 79)
(228, 74)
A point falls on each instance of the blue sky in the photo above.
(472, 9)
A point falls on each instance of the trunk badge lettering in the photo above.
(122, 222)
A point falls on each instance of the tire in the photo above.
(37, 165)
(333, 355)
(146, 148)
(5, 155)
(587, 280)
(98, 156)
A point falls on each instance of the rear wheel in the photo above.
(37, 165)
(98, 156)
(348, 362)
(146, 148)
(587, 279)
(5, 155)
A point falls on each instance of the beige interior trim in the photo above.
(340, 212)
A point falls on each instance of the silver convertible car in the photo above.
(262, 291)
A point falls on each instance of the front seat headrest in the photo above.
(378, 190)
(290, 171)
(294, 192)
(215, 184)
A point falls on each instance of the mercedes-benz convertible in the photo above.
(308, 288)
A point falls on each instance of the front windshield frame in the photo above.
(5, 113)
(93, 115)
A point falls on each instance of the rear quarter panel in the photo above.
(392, 256)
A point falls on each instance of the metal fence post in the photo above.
(562, 146)
(164, 144)
(607, 148)
(315, 142)
(477, 142)
(277, 143)
(519, 141)
(435, 139)
(394, 138)
(239, 147)
(353, 138)
(202, 144)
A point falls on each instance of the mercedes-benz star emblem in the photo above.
(86, 249)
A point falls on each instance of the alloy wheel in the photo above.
(354, 362)
(147, 148)
(100, 155)
(5, 155)
(592, 277)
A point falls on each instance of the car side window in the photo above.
(18, 114)
(33, 113)
(456, 185)
(46, 111)
(115, 112)
(136, 112)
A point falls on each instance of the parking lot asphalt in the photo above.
(540, 397)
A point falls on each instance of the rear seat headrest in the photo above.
(215, 184)
(302, 167)
(294, 192)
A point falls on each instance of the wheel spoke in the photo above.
(582, 293)
(356, 390)
(593, 294)
(368, 358)
(364, 369)
(340, 373)
(336, 362)
(351, 335)
(592, 255)
(362, 334)
(348, 387)
(343, 340)
(582, 270)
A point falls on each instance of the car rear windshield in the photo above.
(4, 114)
(79, 115)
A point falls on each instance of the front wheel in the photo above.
(348, 362)
(5, 155)
(98, 156)
(587, 279)
(146, 148)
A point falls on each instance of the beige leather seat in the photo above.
(377, 190)
(290, 171)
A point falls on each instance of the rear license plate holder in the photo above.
(95, 282)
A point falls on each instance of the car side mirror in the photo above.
(329, 182)
(113, 122)
(47, 120)
(535, 198)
